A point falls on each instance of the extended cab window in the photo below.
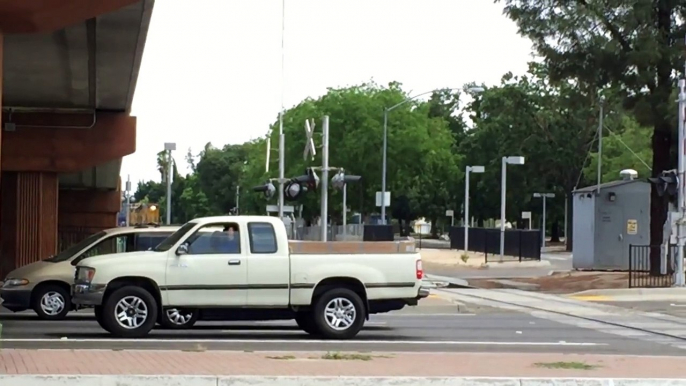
(221, 238)
(145, 241)
(262, 238)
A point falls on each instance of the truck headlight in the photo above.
(10, 282)
(84, 275)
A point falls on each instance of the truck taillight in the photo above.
(419, 270)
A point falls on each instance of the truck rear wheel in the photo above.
(130, 312)
(306, 322)
(339, 314)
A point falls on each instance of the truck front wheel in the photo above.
(130, 312)
(339, 314)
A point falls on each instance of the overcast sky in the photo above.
(211, 69)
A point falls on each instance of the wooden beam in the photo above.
(66, 143)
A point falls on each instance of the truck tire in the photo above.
(177, 319)
(51, 302)
(339, 314)
(130, 312)
(306, 323)
(97, 310)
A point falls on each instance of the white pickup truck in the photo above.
(242, 268)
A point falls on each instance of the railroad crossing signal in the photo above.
(667, 182)
(267, 189)
(309, 141)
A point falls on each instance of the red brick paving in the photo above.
(135, 362)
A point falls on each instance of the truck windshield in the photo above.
(76, 248)
(174, 238)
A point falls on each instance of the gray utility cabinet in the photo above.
(607, 223)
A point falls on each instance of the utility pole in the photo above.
(325, 179)
(238, 199)
(468, 170)
(282, 137)
(543, 223)
(600, 144)
(679, 279)
(169, 147)
(128, 199)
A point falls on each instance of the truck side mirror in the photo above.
(182, 249)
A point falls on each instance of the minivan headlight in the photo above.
(10, 282)
(84, 275)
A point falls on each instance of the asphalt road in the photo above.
(433, 328)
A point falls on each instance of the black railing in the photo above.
(520, 245)
(639, 266)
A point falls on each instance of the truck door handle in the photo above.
(234, 262)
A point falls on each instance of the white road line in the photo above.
(416, 315)
(326, 342)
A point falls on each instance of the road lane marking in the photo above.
(306, 341)
(591, 298)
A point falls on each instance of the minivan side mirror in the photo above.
(182, 249)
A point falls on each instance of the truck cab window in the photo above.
(216, 239)
(262, 238)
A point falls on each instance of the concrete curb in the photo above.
(184, 380)
(453, 282)
(633, 294)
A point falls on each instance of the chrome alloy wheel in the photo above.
(131, 312)
(178, 317)
(340, 314)
(52, 303)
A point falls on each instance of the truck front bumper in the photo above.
(87, 295)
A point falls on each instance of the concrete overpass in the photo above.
(69, 74)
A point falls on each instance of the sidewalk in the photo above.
(222, 363)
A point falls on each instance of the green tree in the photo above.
(631, 46)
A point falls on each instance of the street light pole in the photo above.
(473, 169)
(543, 224)
(472, 90)
(503, 197)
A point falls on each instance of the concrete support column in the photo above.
(28, 218)
(88, 210)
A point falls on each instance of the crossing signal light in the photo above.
(666, 183)
(298, 186)
(267, 189)
(340, 179)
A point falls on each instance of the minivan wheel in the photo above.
(339, 314)
(51, 302)
(177, 318)
(130, 312)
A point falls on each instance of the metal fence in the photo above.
(351, 232)
(520, 245)
(639, 266)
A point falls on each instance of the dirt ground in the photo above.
(568, 282)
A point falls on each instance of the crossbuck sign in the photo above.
(309, 142)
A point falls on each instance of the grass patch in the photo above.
(336, 356)
(566, 365)
(282, 357)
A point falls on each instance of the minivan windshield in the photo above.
(76, 248)
(175, 237)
